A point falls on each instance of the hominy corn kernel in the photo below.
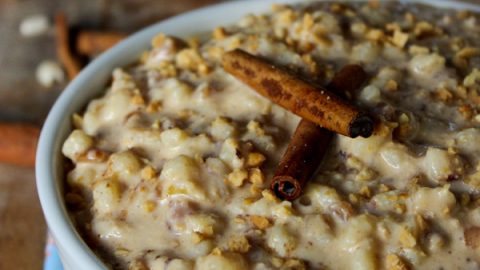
(76, 144)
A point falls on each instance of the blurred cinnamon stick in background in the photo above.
(91, 43)
(64, 53)
(18, 143)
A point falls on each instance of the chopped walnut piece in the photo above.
(219, 33)
(307, 21)
(77, 121)
(415, 49)
(239, 243)
(268, 194)
(149, 206)
(294, 264)
(237, 177)
(409, 18)
(423, 29)
(255, 159)
(392, 27)
(443, 95)
(468, 52)
(277, 262)
(358, 28)
(260, 222)
(421, 223)
(137, 99)
(400, 38)
(394, 262)
(407, 239)
(137, 265)
(472, 79)
(256, 177)
(216, 251)
(154, 106)
(255, 190)
(337, 7)
(190, 59)
(375, 35)
(148, 173)
(383, 188)
(365, 192)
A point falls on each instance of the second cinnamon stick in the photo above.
(310, 142)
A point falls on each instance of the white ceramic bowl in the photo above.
(74, 253)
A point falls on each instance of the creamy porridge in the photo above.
(170, 168)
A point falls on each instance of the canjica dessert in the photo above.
(172, 167)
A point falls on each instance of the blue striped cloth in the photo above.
(52, 258)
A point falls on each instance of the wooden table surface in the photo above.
(22, 226)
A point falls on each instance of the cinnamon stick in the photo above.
(91, 43)
(71, 64)
(18, 143)
(306, 100)
(310, 142)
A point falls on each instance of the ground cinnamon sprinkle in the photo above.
(70, 62)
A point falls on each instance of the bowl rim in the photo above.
(47, 180)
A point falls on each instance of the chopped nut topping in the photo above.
(472, 79)
(294, 264)
(424, 28)
(268, 194)
(468, 52)
(260, 222)
(406, 238)
(399, 39)
(443, 95)
(375, 34)
(77, 121)
(148, 173)
(237, 177)
(149, 206)
(219, 33)
(395, 263)
(239, 243)
(255, 159)
(414, 50)
(256, 177)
